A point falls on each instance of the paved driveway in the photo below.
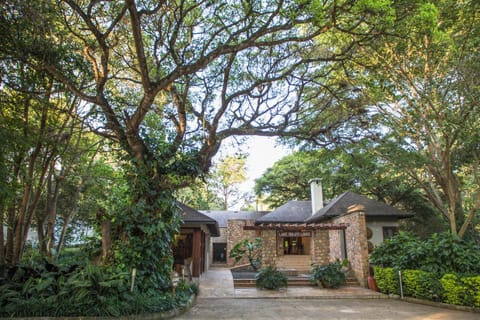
(331, 309)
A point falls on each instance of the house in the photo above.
(192, 245)
(300, 233)
(231, 224)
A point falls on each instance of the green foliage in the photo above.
(450, 288)
(251, 250)
(328, 276)
(359, 168)
(472, 285)
(440, 254)
(421, 284)
(86, 291)
(387, 280)
(402, 252)
(270, 278)
(453, 290)
(461, 290)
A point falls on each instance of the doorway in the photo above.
(296, 245)
(220, 252)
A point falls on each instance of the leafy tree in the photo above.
(227, 175)
(41, 118)
(200, 195)
(425, 88)
(414, 87)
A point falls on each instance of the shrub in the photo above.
(421, 284)
(401, 252)
(270, 278)
(82, 291)
(461, 291)
(329, 276)
(251, 250)
(453, 289)
(440, 254)
(472, 285)
(387, 280)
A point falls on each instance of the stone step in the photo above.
(250, 283)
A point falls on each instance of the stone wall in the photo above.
(335, 245)
(222, 238)
(235, 234)
(356, 243)
(320, 247)
(269, 247)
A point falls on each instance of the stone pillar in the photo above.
(320, 247)
(269, 248)
(356, 241)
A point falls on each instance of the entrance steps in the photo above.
(292, 282)
(294, 264)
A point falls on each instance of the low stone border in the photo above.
(436, 304)
(153, 316)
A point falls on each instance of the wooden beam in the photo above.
(297, 226)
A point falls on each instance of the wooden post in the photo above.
(197, 252)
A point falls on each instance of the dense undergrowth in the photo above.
(442, 268)
(46, 289)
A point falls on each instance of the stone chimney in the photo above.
(317, 194)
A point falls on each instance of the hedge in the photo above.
(387, 280)
(422, 285)
(450, 288)
(461, 291)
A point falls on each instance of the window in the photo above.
(389, 232)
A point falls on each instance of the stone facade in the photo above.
(321, 247)
(335, 245)
(269, 248)
(236, 233)
(356, 243)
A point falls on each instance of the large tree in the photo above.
(358, 168)
(168, 81)
(417, 84)
(426, 88)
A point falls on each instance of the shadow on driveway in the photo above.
(338, 309)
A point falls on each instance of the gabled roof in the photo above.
(194, 217)
(340, 205)
(291, 212)
(301, 211)
(222, 216)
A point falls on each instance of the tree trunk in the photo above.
(106, 225)
(52, 212)
(11, 222)
(66, 222)
(2, 241)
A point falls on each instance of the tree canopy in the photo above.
(166, 82)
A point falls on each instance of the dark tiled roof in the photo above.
(291, 212)
(222, 216)
(301, 211)
(192, 216)
(340, 204)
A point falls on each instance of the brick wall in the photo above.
(356, 243)
(235, 234)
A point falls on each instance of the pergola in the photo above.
(297, 226)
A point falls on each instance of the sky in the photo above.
(262, 152)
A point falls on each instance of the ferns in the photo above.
(88, 291)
